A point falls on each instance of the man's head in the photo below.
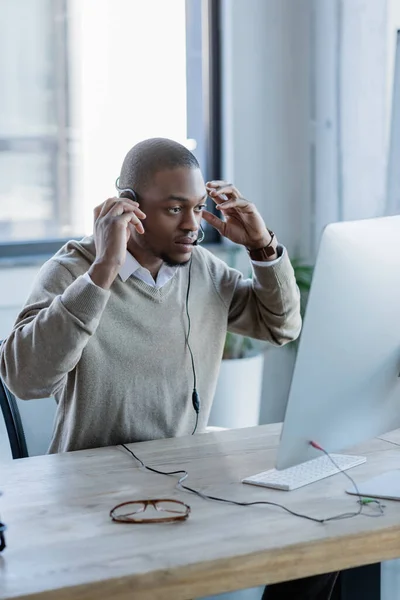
(170, 189)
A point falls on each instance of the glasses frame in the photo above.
(154, 502)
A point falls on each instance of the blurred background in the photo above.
(295, 101)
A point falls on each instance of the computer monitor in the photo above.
(346, 386)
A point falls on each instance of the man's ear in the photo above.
(128, 193)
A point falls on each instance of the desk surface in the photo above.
(62, 544)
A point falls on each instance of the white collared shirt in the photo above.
(132, 268)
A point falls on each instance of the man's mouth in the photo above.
(185, 243)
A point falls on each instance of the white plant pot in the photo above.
(238, 394)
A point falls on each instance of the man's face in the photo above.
(173, 202)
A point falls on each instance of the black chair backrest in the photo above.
(12, 420)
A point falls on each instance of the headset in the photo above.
(131, 194)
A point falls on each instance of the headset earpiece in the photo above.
(125, 192)
(130, 194)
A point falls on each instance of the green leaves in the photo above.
(303, 274)
(239, 346)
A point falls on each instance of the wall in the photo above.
(351, 105)
(265, 107)
(305, 114)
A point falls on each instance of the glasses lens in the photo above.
(129, 511)
(174, 508)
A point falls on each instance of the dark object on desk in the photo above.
(2, 538)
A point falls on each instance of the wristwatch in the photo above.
(265, 252)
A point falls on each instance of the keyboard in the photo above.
(308, 472)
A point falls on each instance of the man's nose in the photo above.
(190, 222)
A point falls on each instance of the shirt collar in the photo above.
(131, 266)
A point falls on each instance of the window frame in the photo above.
(206, 80)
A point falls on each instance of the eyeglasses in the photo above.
(165, 511)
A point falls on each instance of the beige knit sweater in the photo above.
(116, 361)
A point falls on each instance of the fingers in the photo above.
(217, 223)
(103, 208)
(128, 213)
(220, 187)
(224, 190)
(225, 195)
(216, 183)
(239, 203)
(106, 206)
(214, 189)
(227, 199)
(123, 206)
(122, 209)
(130, 217)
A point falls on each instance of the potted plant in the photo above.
(238, 393)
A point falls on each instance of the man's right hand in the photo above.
(111, 235)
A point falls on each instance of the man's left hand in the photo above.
(242, 223)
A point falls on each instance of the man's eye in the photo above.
(201, 207)
(174, 210)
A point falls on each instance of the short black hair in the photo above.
(149, 157)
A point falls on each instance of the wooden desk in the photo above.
(62, 544)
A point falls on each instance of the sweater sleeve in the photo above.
(266, 307)
(50, 333)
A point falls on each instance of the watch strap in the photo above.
(265, 252)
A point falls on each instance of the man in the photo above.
(106, 326)
(104, 330)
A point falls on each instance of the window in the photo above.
(82, 81)
(34, 129)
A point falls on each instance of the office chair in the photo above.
(12, 420)
(15, 433)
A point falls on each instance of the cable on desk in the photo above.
(362, 501)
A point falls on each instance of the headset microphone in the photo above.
(200, 238)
